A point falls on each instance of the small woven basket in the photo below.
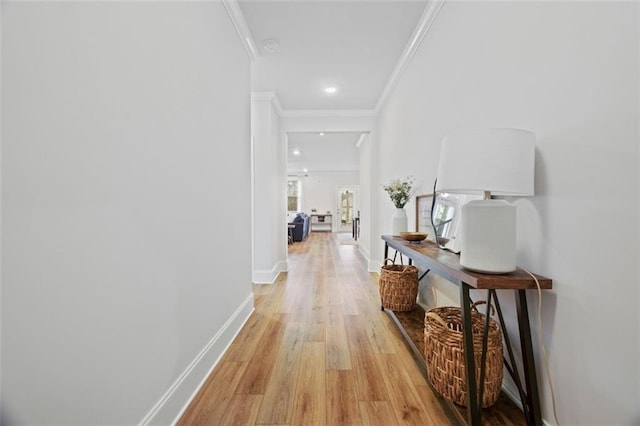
(444, 354)
(398, 286)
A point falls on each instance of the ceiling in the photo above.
(351, 45)
(331, 152)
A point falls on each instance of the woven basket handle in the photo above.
(404, 267)
(437, 318)
(482, 302)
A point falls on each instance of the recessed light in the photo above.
(321, 133)
(331, 90)
(305, 170)
(296, 152)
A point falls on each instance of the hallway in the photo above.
(318, 351)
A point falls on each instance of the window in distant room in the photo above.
(293, 195)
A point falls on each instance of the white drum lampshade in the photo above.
(493, 162)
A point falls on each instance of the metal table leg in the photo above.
(485, 342)
(386, 256)
(473, 411)
(512, 366)
(534, 415)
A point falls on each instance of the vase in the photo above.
(399, 222)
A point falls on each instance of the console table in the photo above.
(447, 265)
(321, 222)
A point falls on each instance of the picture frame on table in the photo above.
(423, 215)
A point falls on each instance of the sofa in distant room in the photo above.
(301, 229)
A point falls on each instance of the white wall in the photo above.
(569, 72)
(269, 190)
(327, 121)
(125, 158)
(365, 180)
(1, 131)
(319, 191)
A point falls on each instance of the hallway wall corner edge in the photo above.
(172, 405)
(270, 276)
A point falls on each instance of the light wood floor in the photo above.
(318, 351)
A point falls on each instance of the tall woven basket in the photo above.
(444, 354)
(398, 286)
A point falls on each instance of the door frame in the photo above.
(356, 202)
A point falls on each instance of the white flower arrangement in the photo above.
(400, 191)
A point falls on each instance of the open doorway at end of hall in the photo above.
(347, 208)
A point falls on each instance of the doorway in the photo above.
(347, 208)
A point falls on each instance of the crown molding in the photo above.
(276, 105)
(328, 113)
(361, 139)
(321, 172)
(237, 19)
(419, 33)
(309, 113)
(262, 96)
(268, 96)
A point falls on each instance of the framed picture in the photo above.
(423, 215)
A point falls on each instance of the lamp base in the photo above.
(488, 236)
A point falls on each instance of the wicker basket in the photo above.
(444, 354)
(398, 286)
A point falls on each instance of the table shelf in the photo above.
(411, 326)
(447, 265)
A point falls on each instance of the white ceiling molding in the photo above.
(321, 113)
(277, 106)
(311, 113)
(237, 19)
(323, 172)
(268, 96)
(426, 20)
(361, 139)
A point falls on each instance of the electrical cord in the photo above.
(540, 337)
(544, 350)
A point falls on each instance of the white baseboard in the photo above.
(364, 252)
(282, 266)
(175, 401)
(269, 276)
(514, 396)
(375, 265)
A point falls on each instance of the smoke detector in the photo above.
(271, 45)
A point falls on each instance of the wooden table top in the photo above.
(447, 264)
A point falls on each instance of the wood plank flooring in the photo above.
(318, 351)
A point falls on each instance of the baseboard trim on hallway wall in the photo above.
(374, 265)
(269, 277)
(515, 398)
(364, 252)
(177, 398)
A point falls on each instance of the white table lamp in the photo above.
(493, 162)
